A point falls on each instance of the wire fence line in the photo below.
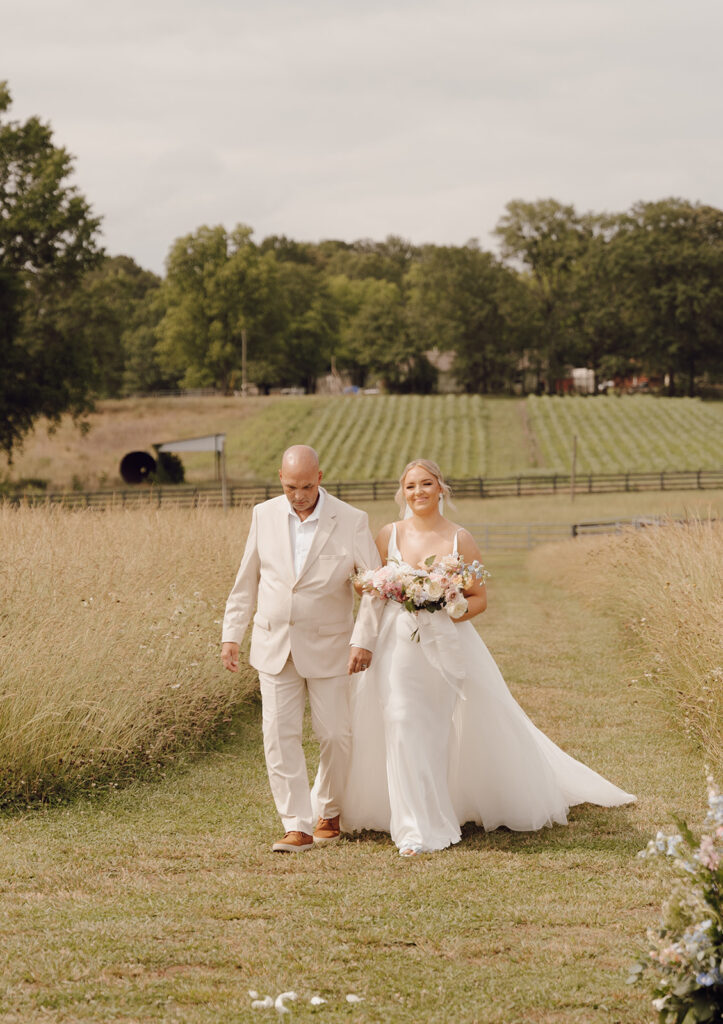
(252, 492)
(521, 536)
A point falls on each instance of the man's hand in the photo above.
(229, 656)
(359, 659)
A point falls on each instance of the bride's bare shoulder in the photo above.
(467, 545)
(384, 534)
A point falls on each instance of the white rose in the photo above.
(457, 607)
(434, 589)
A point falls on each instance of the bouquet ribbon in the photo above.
(440, 643)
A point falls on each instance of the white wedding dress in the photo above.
(439, 740)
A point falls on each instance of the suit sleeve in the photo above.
(368, 620)
(242, 599)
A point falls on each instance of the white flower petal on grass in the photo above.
(253, 994)
(262, 1004)
(317, 1001)
(280, 1000)
(351, 998)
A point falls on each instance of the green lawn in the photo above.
(164, 903)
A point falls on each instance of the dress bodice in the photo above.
(394, 553)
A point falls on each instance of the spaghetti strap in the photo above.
(454, 549)
(392, 546)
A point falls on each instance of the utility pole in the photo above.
(244, 383)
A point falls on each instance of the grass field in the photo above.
(109, 630)
(619, 434)
(160, 900)
(374, 436)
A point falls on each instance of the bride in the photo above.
(438, 739)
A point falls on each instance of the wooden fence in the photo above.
(516, 536)
(250, 493)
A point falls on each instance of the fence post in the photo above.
(554, 484)
(518, 486)
(574, 529)
(697, 476)
(662, 480)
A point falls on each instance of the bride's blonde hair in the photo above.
(433, 469)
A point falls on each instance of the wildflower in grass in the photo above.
(686, 954)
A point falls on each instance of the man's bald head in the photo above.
(300, 456)
(300, 477)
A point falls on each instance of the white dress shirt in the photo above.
(301, 533)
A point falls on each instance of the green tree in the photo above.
(105, 308)
(219, 290)
(48, 241)
(547, 239)
(375, 342)
(668, 258)
(464, 300)
(309, 325)
(389, 260)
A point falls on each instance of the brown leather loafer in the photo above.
(327, 830)
(294, 842)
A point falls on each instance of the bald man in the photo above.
(301, 550)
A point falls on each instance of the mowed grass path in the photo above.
(164, 903)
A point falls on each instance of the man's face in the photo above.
(301, 487)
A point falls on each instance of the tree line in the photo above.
(634, 292)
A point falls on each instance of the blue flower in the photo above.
(710, 978)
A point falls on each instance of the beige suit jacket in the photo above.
(310, 617)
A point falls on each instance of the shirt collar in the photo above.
(317, 509)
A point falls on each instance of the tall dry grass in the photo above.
(109, 642)
(666, 585)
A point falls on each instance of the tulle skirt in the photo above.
(439, 740)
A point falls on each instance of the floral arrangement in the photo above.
(687, 955)
(431, 587)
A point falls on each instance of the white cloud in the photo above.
(321, 119)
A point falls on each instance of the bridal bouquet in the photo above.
(686, 958)
(436, 584)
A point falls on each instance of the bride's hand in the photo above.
(359, 659)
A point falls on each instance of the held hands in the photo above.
(229, 656)
(359, 659)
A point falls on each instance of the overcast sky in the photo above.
(348, 119)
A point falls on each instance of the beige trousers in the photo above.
(283, 698)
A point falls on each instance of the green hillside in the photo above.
(374, 436)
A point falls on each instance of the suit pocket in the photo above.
(261, 622)
(332, 628)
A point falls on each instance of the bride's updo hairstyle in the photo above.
(433, 469)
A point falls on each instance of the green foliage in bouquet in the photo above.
(685, 962)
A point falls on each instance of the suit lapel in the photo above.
(327, 525)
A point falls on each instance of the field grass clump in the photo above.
(665, 583)
(110, 627)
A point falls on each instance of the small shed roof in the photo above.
(209, 443)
